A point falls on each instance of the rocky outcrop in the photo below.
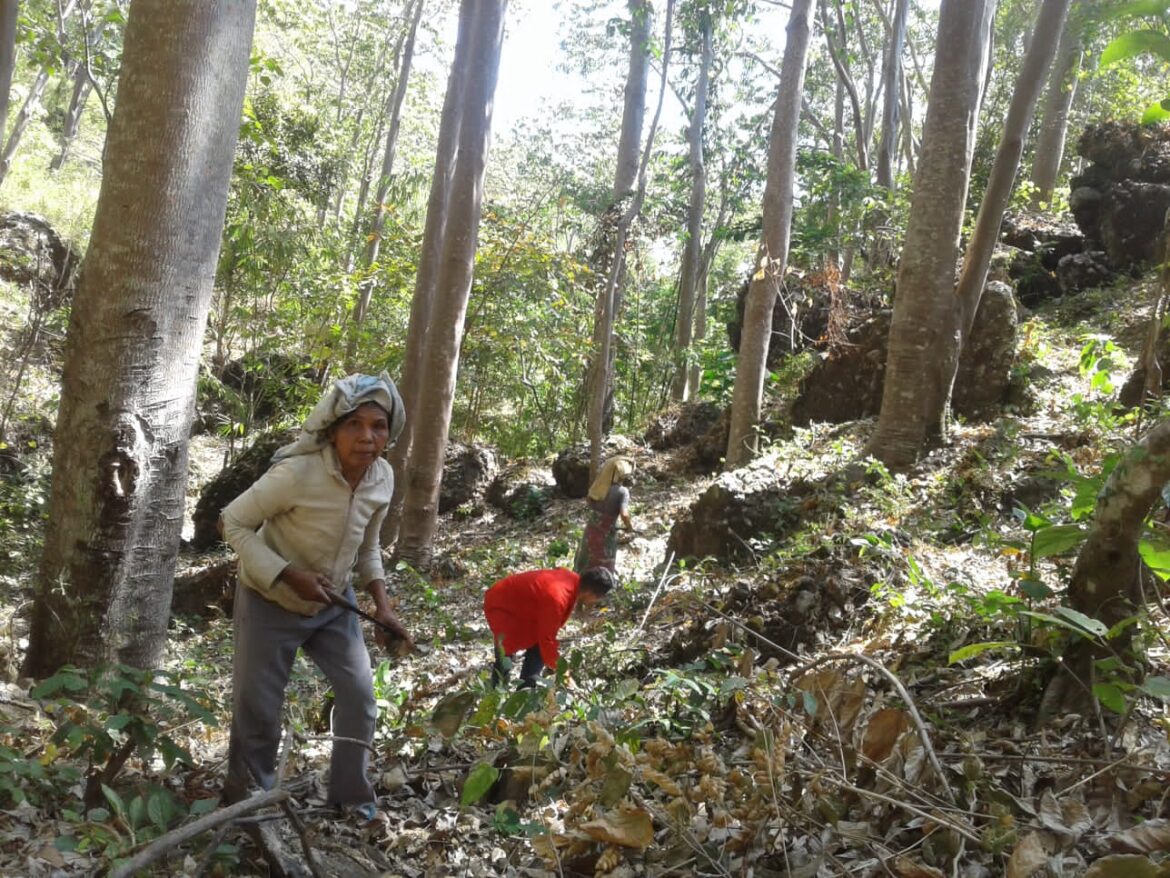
(467, 471)
(682, 424)
(32, 253)
(1083, 271)
(985, 364)
(847, 385)
(269, 385)
(231, 483)
(521, 490)
(1120, 200)
(571, 467)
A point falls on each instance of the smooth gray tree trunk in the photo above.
(891, 103)
(1058, 100)
(1037, 61)
(440, 362)
(8, 13)
(135, 337)
(430, 255)
(693, 246)
(634, 98)
(779, 190)
(370, 255)
(924, 333)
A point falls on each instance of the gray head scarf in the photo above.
(345, 396)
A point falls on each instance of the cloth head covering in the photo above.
(616, 469)
(345, 396)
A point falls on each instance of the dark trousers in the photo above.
(530, 670)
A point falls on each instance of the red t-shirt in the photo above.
(528, 609)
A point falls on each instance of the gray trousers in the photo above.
(267, 637)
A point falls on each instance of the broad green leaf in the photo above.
(1136, 9)
(478, 782)
(1110, 696)
(1157, 687)
(973, 649)
(156, 810)
(1156, 553)
(1093, 626)
(114, 799)
(203, 806)
(1057, 539)
(1035, 589)
(1135, 43)
(1056, 620)
(1155, 113)
(810, 703)
(1034, 521)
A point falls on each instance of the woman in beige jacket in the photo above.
(307, 532)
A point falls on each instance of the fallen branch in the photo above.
(661, 582)
(188, 831)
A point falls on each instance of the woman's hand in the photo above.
(308, 585)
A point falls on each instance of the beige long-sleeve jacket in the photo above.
(303, 512)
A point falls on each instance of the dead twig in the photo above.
(188, 831)
(915, 717)
(654, 597)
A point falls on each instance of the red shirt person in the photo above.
(526, 611)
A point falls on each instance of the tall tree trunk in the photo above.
(634, 98)
(445, 333)
(608, 253)
(72, 123)
(839, 57)
(748, 395)
(923, 343)
(430, 255)
(370, 256)
(135, 336)
(610, 297)
(1058, 99)
(892, 83)
(1045, 35)
(31, 102)
(692, 248)
(8, 11)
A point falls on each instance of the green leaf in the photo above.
(478, 782)
(137, 811)
(1093, 626)
(1034, 521)
(203, 806)
(1157, 687)
(810, 703)
(1155, 113)
(1136, 9)
(1057, 539)
(1110, 696)
(973, 649)
(155, 810)
(114, 799)
(1136, 43)
(1035, 589)
(1155, 551)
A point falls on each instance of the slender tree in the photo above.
(610, 296)
(748, 395)
(690, 276)
(1038, 59)
(8, 13)
(374, 238)
(135, 336)
(892, 93)
(1058, 100)
(430, 254)
(444, 335)
(923, 343)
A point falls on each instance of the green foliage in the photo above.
(108, 713)
(1148, 41)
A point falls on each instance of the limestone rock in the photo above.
(467, 471)
(571, 467)
(986, 361)
(231, 483)
(521, 490)
(1082, 271)
(31, 252)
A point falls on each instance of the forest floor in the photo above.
(801, 712)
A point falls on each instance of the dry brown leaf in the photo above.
(632, 828)
(1145, 838)
(1028, 856)
(908, 868)
(1068, 819)
(450, 712)
(838, 698)
(1124, 866)
(883, 730)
